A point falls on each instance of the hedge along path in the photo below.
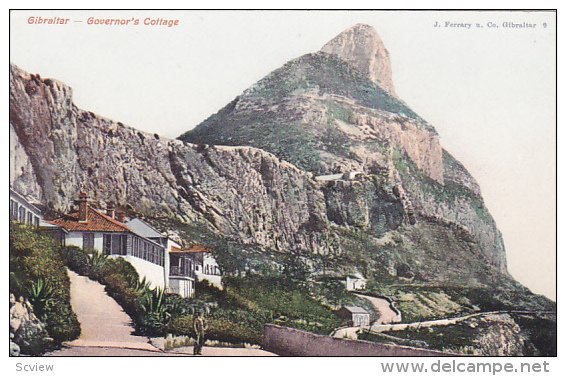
(103, 322)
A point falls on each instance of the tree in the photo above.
(296, 269)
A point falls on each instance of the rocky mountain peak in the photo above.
(361, 47)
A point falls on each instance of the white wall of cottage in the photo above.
(182, 286)
(76, 238)
(153, 273)
(157, 275)
(210, 266)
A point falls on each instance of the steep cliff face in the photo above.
(335, 111)
(319, 114)
(239, 191)
(242, 193)
(22, 176)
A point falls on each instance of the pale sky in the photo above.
(489, 92)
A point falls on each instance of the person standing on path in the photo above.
(200, 325)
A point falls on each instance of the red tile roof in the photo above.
(192, 249)
(197, 248)
(96, 221)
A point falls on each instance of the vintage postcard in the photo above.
(283, 183)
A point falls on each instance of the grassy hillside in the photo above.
(407, 265)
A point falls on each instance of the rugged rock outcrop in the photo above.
(27, 332)
(334, 111)
(241, 192)
(499, 335)
(318, 114)
(362, 47)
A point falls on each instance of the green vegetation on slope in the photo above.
(37, 272)
(331, 75)
(282, 130)
(238, 313)
(409, 264)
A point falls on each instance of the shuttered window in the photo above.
(88, 241)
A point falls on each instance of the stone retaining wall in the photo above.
(293, 342)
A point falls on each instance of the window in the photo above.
(145, 250)
(14, 209)
(136, 246)
(30, 218)
(22, 214)
(88, 241)
(107, 246)
(159, 257)
(124, 245)
(115, 244)
(119, 244)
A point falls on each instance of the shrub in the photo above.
(269, 298)
(117, 287)
(41, 297)
(155, 315)
(142, 286)
(227, 331)
(123, 268)
(62, 323)
(219, 328)
(76, 259)
(182, 326)
(205, 290)
(97, 263)
(34, 257)
(178, 306)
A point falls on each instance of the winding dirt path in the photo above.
(383, 307)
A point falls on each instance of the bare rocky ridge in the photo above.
(362, 47)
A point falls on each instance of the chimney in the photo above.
(83, 207)
(120, 216)
(110, 210)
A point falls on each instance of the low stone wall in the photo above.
(293, 342)
(445, 322)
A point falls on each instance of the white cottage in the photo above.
(23, 211)
(179, 263)
(93, 230)
(354, 316)
(206, 269)
(354, 283)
